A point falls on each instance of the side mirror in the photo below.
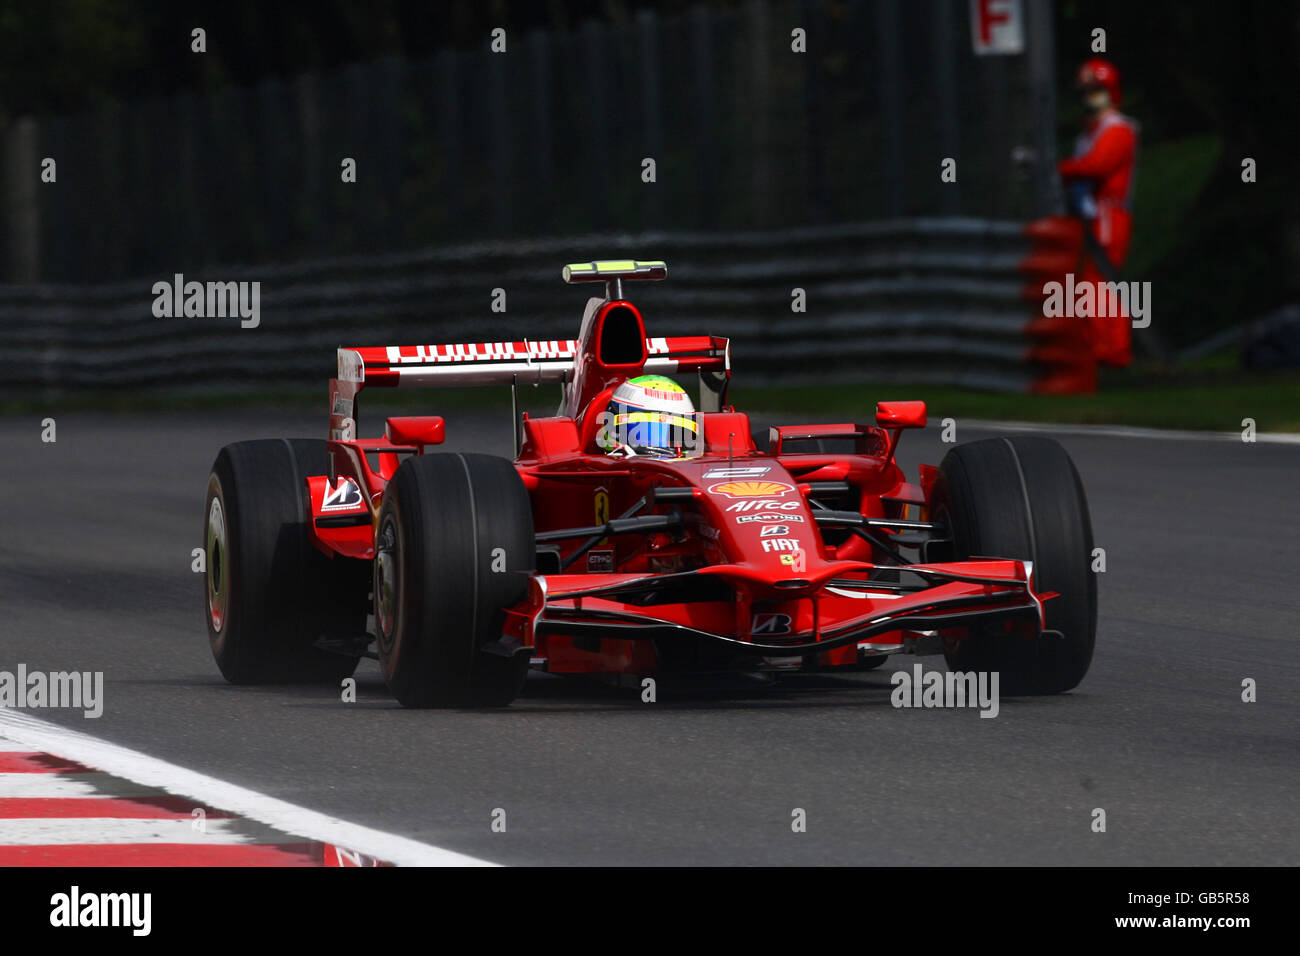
(415, 430)
(900, 414)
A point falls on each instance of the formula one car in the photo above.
(631, 538)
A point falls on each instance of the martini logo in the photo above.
(751, 489)
(345, 497)
(766, 516)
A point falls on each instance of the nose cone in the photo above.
(763, 518)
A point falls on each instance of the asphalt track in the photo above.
(1203, 546)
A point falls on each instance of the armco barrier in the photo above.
(1061, 344)
(943, 301)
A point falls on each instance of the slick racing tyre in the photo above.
(454, 545)
(1022, 498)
(269, 593)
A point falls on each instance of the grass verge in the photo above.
(1204, 403)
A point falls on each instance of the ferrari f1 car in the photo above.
(458, 572)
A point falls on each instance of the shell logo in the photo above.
(751, 489)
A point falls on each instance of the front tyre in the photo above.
(453, 550)
(269, 593)
(1022, 498)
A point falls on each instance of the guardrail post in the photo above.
(447, 100)
(539, 65)
(889, 45)
(387, 87)
(22, 179)
(943, 35)
(273, 116)
(1040, 28)
(502, 190)
(652, 118)
(63, 238)
(759, 201)
(187, 219)
(309, 213)
(596, 156)
(706, 118)
(815, 23)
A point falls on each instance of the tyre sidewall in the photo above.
(1022, 498)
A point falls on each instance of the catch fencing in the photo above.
(761, 114)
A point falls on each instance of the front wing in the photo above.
(838, 608)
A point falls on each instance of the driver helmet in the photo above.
(649, 415)
(1095, 75)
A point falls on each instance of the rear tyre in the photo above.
(454, 548)
(269, 593)
(1021, 498)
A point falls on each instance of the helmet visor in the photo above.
(655, 433)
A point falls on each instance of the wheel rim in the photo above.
(387, 584)
(218, 571)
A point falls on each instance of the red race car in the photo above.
(634, 533)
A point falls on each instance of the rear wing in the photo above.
(510, 363)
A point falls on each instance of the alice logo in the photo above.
(208, 300)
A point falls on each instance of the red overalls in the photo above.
(1106, 154)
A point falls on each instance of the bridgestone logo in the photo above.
(346, 496)
(771, 624)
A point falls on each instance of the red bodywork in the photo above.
(745, 575)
